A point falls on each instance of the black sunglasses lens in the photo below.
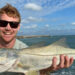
(3, 23)
(14, 24)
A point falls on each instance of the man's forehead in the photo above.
(7, 17)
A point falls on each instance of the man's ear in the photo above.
(18, 27)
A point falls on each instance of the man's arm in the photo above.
(65, 62)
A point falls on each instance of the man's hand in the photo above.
(65, 62)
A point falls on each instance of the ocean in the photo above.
(44, 41)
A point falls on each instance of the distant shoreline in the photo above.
(20, 37)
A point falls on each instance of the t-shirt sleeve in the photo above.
(19, 45)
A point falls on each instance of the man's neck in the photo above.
(7, 44)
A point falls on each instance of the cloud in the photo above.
(73, 23)
(47, 25)
(33, 6)
(32, 19)
(30, 27)
(24, 21)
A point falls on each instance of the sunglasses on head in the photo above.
(13, 24)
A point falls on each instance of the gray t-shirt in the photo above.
(19, 44)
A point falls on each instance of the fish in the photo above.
(33, 58)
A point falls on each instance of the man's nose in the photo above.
(8, 27)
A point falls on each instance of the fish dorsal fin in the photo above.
(61, 42)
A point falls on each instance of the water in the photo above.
(43, 41)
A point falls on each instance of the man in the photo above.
(9, 26)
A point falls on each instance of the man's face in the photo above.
(7, 34)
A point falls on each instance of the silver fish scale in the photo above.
(6, 66)
(7, 59)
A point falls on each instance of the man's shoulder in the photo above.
(19, 44)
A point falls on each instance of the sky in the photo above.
(45, 17)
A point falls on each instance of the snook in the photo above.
(33, 59)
